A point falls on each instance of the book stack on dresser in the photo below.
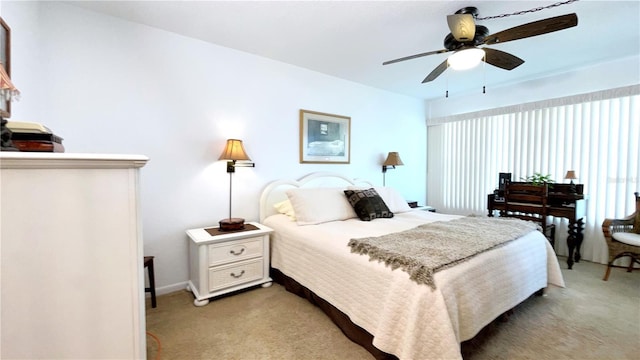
(34, 137)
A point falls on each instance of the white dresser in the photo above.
(222, 262)
(71, 256)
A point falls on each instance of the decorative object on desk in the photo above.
(393, 160)
(571, 175)
(324, 138)
(502, 180)
(233, 152)
(539, 179)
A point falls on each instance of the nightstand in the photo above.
(414, 205)
(222, 262)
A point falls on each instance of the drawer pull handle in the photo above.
(232, 252)
(237, 276)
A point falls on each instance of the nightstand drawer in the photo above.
(235, 251)
(224, 276)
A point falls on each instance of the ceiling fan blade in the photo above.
(533, 29)
(462, 26)
(415, 56)
(436, 72)
(501, 59)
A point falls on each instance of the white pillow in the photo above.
(392, 197)
(319, 205)
(285, 207)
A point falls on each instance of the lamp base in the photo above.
(231, 224)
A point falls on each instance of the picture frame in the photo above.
(324, 138)
(502, 180)
(5, 59)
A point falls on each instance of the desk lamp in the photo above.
(571, 174)
(393, 160)
(233, 152)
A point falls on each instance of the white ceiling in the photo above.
(351, 39)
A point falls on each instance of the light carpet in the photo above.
(589, 319)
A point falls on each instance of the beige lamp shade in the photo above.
(393, 159)
(571, 174)
(234, 151)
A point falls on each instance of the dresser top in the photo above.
(46, 160)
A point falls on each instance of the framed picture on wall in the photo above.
(324, 138)
(5, 60)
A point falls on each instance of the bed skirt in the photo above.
(354, 332)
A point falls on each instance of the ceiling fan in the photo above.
(466, 37)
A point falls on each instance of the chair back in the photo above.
(527, 201)
(519, 195)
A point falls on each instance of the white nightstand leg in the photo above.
(267, 284)
(197, 302)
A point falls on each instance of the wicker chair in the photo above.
(623, 238)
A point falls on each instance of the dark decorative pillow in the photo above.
(367, 204)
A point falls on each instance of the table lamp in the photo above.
(233, 152)
(571, 174)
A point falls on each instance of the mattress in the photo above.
(406, 319)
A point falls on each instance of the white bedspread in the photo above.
(409, 320)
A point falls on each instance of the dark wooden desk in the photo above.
(560, 203)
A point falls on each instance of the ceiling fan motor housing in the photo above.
(469, 10)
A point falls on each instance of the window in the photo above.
(597, 135)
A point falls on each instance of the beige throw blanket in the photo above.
(426, 249)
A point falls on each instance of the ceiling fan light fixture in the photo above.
(466, 58)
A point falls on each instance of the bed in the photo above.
(382, 308)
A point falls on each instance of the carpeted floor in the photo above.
(589, 319)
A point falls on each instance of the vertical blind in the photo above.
(599, 139)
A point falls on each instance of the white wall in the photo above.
(597, 77)
(110, 86)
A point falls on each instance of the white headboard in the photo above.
(275, 191)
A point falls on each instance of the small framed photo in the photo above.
(502, 180)
(324, 138)
(5, 60)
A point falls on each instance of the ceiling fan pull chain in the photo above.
(484, 73)
(447, 89)
(528, 11)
